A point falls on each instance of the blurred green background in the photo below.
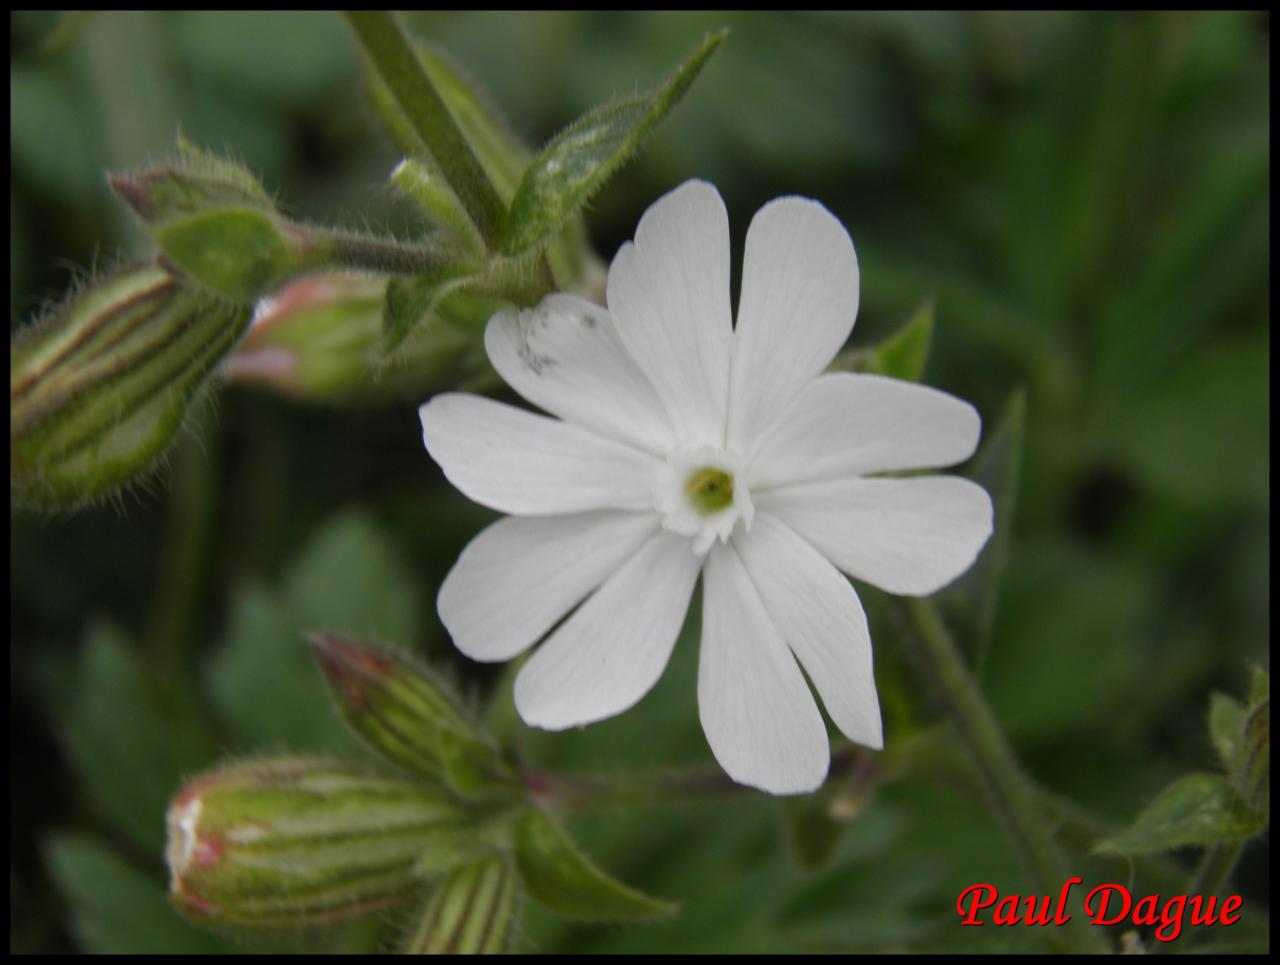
(1085, 196)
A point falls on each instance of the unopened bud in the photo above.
(99, 388)
(436, 200)
(215, 222)
(299, 841)
(320, 339)
(471, 912)
(409, 716)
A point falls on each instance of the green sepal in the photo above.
(406, 714)
(901, 356)
(471, 912)
(567, 882)
(236, 252)
(216, 223)
(579, 160)
(199, 181)
(99, 389)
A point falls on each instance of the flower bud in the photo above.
(469, 913)
(99, 388)
(407, 715)
(319, 340)
(299, 841)
(436, 200)
(214, 221)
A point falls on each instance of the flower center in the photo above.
(701, 493)
(710, 490)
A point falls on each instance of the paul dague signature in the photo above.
(1107, 904)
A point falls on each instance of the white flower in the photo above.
(686, 446)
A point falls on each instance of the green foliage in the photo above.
(409, 303)
(1212, 809)
(997, 469)
(557, 874)
(1198, 809)
(119, 910)
(262, 680)
(579, 160)
(120, 722)
(901, 356)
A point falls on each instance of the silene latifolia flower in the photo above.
(686, 445)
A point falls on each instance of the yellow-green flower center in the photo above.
(710, 489)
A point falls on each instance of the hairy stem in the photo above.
(343, 249)
(1010, 791)
(672, 787)
(389, 50)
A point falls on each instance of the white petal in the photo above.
(799, 300)
(565, 356)
(669, 294)
(756, 709)
(518, 462)
(614, 648)
(522, 574)
(849, 425)
(906, 536)
(818, 614)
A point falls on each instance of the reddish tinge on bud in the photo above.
(299, 841)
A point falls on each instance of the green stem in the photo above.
(674, 787)
(184, 555)
(391, 53)
(343, 249)
(1010, 791)
(1215, 869)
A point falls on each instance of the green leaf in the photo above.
(1201, 433)
(350, 579)
(997, 469)
(239, 253)
(115, 908)
(131, 740)
(1226, 726)
(578, 161)
(264, 681)
(503, 155)
(409, 303)
(1259, 685)
(1199, 809)
(567, 882)
(1255, 764)
(903, 355)
(472, 912)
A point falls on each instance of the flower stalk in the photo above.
(385, 43)
(1008, 787)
